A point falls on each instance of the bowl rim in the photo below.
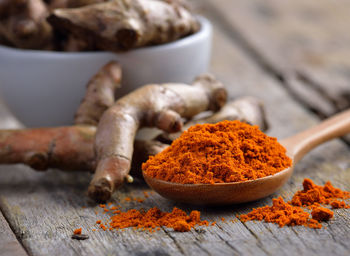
(203, 32)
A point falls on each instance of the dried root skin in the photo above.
(99, 94)
(252, 111)
(67, 148)
(4, 41)
(24, 24)
(135, 23)
(8, 7)
(246, 109)
(55, 4)
(112, 171)
(73, 44)
(151, 147)
(119, 124)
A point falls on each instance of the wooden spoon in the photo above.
(239, 192)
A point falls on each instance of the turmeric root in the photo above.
(71, 148)
(67, 148)
(23, 23)
(7, 7)
(125, 24)
(73, 44)
(154, 105)
(246, 109)
(55, 4)
(99, 94)
(3, 41)
(70, 43)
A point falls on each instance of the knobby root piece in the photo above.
(73, 44)
(184, 3)
(99, 94)
(32, 146)
(154, 105)
(4, 41)
(55, 4)
(8, 7)
(67, 148)
(24, 23)
(125, 24)
(246, 109)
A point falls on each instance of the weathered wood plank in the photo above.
(306, 41)
(44, 208)
(9, 244)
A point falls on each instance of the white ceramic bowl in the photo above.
(44, 88)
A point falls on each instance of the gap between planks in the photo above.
(46, 207)
(9, 245)
(266, 30)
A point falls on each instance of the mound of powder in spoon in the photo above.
(228, 151)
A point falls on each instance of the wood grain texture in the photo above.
(44, 208)
(299, 41)
(9, 245)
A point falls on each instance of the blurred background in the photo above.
(305, 45)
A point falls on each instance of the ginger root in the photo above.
(23, 23)
(160, 106)
(100, 94)
(125, 24)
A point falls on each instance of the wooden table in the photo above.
(295, 55)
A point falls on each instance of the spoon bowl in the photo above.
(220, 193)
(240, 192)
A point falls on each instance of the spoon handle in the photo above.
(300, 144)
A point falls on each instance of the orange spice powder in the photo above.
(103, 227)
(134, 199)
(282, 214)
(313, 194)
(77, 231)
(229, 151)
(336, 204)
(145, 193)
(154, 218)
(321, 214)
(292, 214)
